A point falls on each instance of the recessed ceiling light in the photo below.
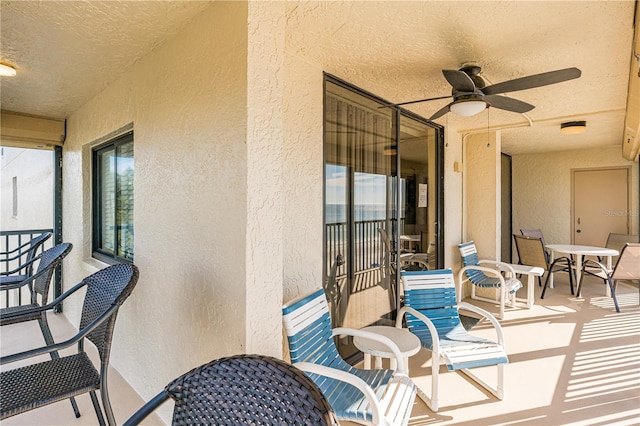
(573, 127)
(7, 70)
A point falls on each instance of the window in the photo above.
(113, 168)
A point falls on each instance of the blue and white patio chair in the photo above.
(377, 397)
(431, 313)
(487, 277)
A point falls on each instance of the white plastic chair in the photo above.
(431, 313)
(380, 397)
(487, 277)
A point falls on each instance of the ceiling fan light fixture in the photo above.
(573, 127)
(467, 108)
(7, 70)
(390, 150)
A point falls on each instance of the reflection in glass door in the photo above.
(371, 217)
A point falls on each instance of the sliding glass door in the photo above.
(373, 213)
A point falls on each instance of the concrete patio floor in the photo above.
(572, 361)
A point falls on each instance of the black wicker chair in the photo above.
(33, 386)
(24, 253)
(243, 390)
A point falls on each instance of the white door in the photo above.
(601, 204)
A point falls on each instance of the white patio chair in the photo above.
(380, 397)
(431, 313)
(487, 277)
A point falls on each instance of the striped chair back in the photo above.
(433, 294)
(469, 255)
(308, 326)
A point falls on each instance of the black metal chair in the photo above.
(531, 253)
(243, 390)
(627, 268)
(28, 251)
(41, 282)
(36, 385)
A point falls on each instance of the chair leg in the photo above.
(613, 294)
(48, 338)
(497, 391)
(96, 406)
(546, 283)
(104, 394)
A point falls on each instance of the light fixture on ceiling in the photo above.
(7, 70)
(573, 127)
(390, 150)
(467, 108)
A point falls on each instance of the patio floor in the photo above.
(572, 361)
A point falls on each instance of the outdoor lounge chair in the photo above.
(431, 313)
(485, 277)
(24, 254)
(36, 385)
(243, 390)
(627, 268)
(531, 252)
(377, 397)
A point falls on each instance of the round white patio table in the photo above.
(579, 252)
(407, 342)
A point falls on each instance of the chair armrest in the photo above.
(435, 338)
(20, 267)
(349, 378)
(502, 266)
(19, 248)
(46, 307)
(402, 367)
(62, 345)
(414, 260)
(472, 308)
(589, 263)
(144, 411)
(489, 271)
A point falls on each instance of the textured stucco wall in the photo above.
(187, 102)
(542, 189)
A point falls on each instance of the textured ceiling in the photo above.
(66, 52)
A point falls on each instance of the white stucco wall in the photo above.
(542, 189)
(187, 101)
(33, 170)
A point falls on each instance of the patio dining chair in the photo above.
(376, 397)
(536, 232)
(487, 277)
(41, 281)
(35, 385)
(25, 255)
(531, 252)
(243, 390)
(431, 313)
(627, 268)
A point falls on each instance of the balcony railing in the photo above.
(10, 240)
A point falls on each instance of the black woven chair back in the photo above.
(248, 390)
(36, 243)
(49, 260)
(110, 286)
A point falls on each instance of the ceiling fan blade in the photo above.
(422, 100)
(442, 111)
(459, 80)
(529, 82)
(508, 104)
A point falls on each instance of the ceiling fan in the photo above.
(471, 95)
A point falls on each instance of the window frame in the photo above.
(98, 252)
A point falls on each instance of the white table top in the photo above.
(582, 250)
(407, 342)
(410, 237)
(523, 269)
